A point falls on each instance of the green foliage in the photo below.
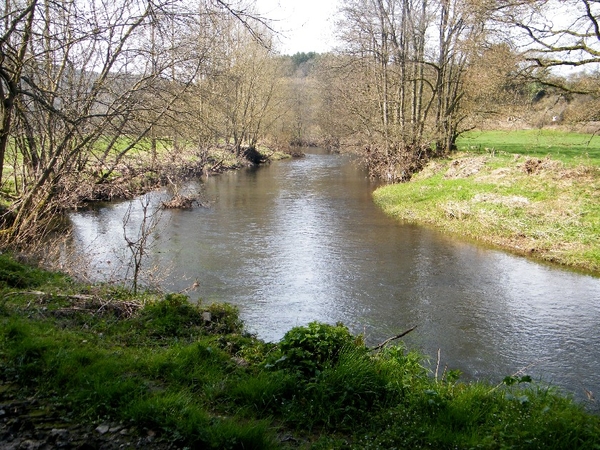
(187, 423)
(309, 349)
(175, 316)
(225, 319)
(264, 393)
(170, 316)
(510, 380)
(403, 369)
(339, 395)
(301, 60)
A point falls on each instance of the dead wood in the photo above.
(180, 202)
(387, 341)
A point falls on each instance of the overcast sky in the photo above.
(305, 25)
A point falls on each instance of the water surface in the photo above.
(301, 240)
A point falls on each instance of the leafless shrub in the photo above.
(140, 242)
(398, 165)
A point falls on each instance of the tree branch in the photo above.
(387, 341)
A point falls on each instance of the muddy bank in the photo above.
(38, 423)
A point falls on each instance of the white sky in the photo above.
(305, 25)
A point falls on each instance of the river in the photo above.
(301, 240)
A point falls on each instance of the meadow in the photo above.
(571, 148)
(533, 192)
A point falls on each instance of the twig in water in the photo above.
(384, 343)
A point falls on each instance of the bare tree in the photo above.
(555, 32)
(407, 60)
(245, 88)
(83, 82)
(139, 242)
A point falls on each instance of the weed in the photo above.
(308, 349)
(20, 276)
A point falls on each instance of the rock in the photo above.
(59, 433)
(29, 444)
(240, 361)
(102, 429)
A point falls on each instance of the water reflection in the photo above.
(302, 240)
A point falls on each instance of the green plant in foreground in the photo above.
(307, 349)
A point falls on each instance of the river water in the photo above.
(301, 240)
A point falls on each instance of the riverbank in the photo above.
(546, 207)
(84, 365)
(138, 172)
(123, 176)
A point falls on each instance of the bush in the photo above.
(224, 319)
(339, 396)
(175, 316)
(307, 350)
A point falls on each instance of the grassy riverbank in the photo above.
(142, 169)
(92, 364)
(540, 198)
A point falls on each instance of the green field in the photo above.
(569, 147)
(532, 192)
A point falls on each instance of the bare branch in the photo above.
(387, 341)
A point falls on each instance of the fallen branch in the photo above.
(517, 373)
(387, 341)
(75, 296)
(180, 202)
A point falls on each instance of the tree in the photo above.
(560, 43)
(555, 33)
(82, 83)
(246, 86)
(139, 243)
(407, 60)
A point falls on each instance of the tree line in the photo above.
(83, 83)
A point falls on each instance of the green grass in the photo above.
(541, 206)
(201, 384)
(569, 147)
